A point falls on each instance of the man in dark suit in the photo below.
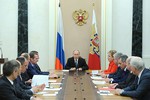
(19, 83)
(33, 68)
(141, 89)
(129, 80)
(124, 73)
(76, 62)
(25, 76)
(8, 91)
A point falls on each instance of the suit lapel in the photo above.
(73, 62)
(142, 75)
(37, 67)
(12, 86)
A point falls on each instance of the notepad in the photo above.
(98, 82)
(40, 79)
(96, 78)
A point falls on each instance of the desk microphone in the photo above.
(1, 52)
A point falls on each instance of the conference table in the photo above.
(76, 85)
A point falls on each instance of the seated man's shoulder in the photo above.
(81, 58)
(29, 65)
(3, 82)
(71, 58)
(146, 71)
(146, 74)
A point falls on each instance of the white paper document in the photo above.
(40, 79)
(49, 94)
(55, 83)
(94, 72)
(52, 81)
(96, 77)
(65, 70)
(98, 82)
(41, 93)
(53, 89)
(104, 92)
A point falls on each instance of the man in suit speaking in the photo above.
(76, 62)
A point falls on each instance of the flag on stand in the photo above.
(60, 54)
(94, 54)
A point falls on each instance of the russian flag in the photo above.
(60, 54)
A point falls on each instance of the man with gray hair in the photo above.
(141, 89)
(8, 91)
(129, 80)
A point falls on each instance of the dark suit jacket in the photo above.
(25, 76)
(116, 74)
(129, 81)
(140, 91)
(122, 76)
(9, 92)
(81, 63)
(35, 70)
(22, 85)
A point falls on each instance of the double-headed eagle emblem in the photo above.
(80, 17)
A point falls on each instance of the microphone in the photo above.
(1, 52)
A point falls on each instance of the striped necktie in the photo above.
(76, 63)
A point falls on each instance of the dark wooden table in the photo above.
(77, 85)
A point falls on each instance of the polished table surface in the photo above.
(77, 86)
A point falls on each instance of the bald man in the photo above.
(76, 62)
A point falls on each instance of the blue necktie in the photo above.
(76, 63)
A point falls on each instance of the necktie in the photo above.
(20, 77)
(13, 86)
(138, 81)
(76, 63)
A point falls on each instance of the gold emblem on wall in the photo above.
(80, 17)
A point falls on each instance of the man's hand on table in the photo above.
(72, 69)
(118, 91)
(38, 88)
(29, 81)
(41, 87)
(103, 75)
(53, 75)
(113, 85)
(36, 98)
(35, 89)
(107, 80)
(80, 69)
